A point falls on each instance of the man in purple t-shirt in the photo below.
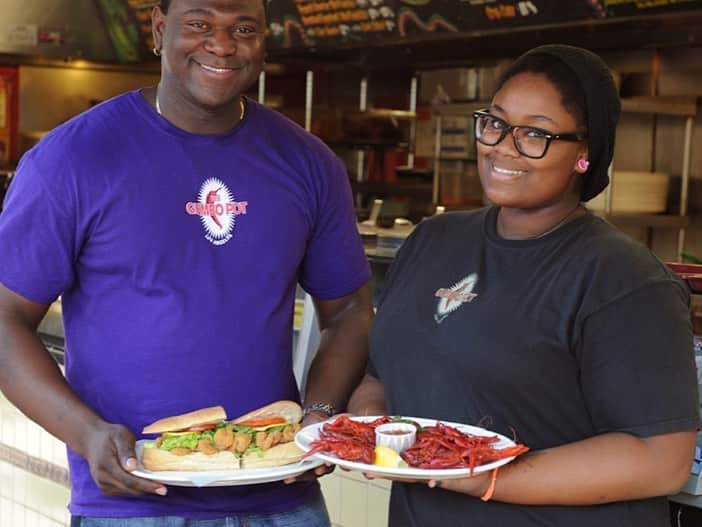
(176, 222)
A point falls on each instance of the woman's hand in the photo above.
(473, 486)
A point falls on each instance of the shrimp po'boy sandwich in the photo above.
(205, 440)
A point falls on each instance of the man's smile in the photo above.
(216, 70)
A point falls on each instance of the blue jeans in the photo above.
(313, 514)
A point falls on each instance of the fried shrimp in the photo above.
(206, 447)
(241, 442)
(224, 438)
(264, 440)
(276, 436)
(288, 433)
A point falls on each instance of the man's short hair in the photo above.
(165, 4)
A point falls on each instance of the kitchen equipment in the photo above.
(372, 126)
(413, 173)
(691, 273)
(368, 229)
(372, 220)
(390, 240)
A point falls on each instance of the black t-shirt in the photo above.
(560, 338)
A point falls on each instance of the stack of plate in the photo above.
(390, 240)
(642, 192)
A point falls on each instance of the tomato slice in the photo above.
(257, 423)
(202, 428)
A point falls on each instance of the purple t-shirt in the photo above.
(177, 258)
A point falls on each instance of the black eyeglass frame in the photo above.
(509, 129)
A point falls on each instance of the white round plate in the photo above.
(304, 438)
(223, 478)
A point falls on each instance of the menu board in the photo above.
(311, 23)
(295, 24)
(616, 8)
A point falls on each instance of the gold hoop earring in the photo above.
(156, 51)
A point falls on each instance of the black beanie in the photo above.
(601, 104)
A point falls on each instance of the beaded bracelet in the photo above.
(323, 408)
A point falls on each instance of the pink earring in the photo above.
(583, 164)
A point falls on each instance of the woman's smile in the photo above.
(503, 172)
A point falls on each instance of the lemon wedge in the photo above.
(387, 457)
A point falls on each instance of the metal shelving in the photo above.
(677, 106)
(447, 125)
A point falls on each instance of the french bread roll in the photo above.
(289, 410)
(281, 454)
(204, 416)
(157, 459)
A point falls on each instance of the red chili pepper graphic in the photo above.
(213, 197)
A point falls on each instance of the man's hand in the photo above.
(321, 470)
(24, 361)
(109, 450)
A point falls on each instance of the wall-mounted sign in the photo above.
(295, 24)
(309, 23)
(615, 8)
(23, 35)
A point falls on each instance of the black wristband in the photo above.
(323, 408)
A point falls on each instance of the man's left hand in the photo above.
(326, 468)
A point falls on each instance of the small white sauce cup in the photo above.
(397, 436)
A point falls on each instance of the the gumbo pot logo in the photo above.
(217, 210)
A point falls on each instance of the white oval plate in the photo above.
(223, 478)
(304, 439)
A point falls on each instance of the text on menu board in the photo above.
(306, 23)
(615, 8)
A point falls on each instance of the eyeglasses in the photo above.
(529, 141)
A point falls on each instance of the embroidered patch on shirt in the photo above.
(454, 297)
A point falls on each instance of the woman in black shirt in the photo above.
(536, 317)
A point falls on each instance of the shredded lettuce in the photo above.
(184, 441)
(253, 448)
(244, 429)
(208, 434)
(280, 428)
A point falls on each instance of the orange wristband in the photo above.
(491, 488)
